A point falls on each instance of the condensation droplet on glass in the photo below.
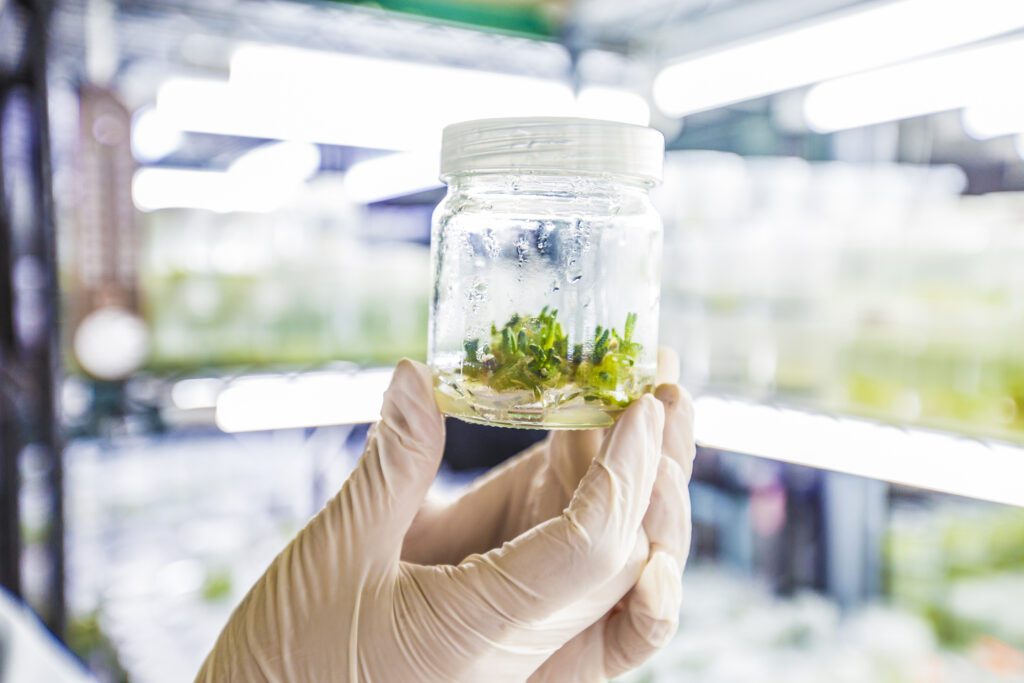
(491, 247)
(477, 294)
(543, 236)
(522, 250)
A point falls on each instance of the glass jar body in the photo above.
(545, 302)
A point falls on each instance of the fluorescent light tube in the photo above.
(196, 393)
(612, 104)
(861, 39)
(925, 86)
(288, 162)
(153, 137)
(259, 181)
(1002, 115)
(308, 400)
(284, 93)
(393, 175)
(918, 458)
(287, 93)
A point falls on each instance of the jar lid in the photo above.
(552, 144)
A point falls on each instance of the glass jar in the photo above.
(546, 257)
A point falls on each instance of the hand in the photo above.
(339, 604)
(535, 486)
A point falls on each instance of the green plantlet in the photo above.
(532, 353)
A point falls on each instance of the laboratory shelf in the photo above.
(925, 459)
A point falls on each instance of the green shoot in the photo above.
(532, 353)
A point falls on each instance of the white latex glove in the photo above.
(338, 604)
(536, 485)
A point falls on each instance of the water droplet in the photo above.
(573, 279)
(543, 236)
(522, 250)
(491, 247)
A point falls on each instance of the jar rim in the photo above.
(557, 145)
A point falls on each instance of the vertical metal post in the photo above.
(855, 512)
(28, 359)
(45, 358)
(10, 517)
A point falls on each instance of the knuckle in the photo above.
(602, 556)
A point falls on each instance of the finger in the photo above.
(561, 560)
(569, 454)
(398, 466)
(668, 366)
(649, 616)
(667, 521)
(572, 450)
(483, 517)
(678, 441)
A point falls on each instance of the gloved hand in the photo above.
(536, 485)
(339, 604)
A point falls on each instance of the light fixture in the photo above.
(164, 188)
(288, 161)
(261, 180)
(196, 393)
(911, 457)
(218, 191)
(857, 40)
(286, 93)
(945, 82)
(392, 175)
(153, 136)
(308, 400)
(612, 104)
(1003, 115)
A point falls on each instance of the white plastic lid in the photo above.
(552, 144)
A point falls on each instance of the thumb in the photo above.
(398, 466)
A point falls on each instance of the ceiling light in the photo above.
(393, 175)
(260, 181)
(277, 163)
(153, 136)
(1001, 116)
(285, 93)
(924, 86)
(861, 39)
(612, 104)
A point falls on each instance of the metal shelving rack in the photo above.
(28, 301)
